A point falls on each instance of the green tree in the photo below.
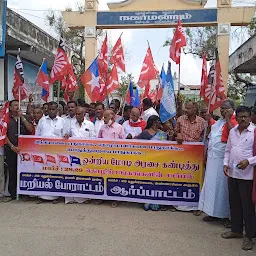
(122, 90)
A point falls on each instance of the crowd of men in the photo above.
(230, 139)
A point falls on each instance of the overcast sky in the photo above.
(135, 40)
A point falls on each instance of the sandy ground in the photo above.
(28, 229)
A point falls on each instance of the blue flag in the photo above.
(75, 160)
(168, 105)
(163, 77)
(136, 99)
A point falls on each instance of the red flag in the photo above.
(117, 57)
(103, 58)
(4, 120)
(63, 159)
(37, 159)
(50, 159)
(153, 95)
(19, 82)
(69, 83)
(204, 78)
(178, 41)
(61, 64)
(215, 91)
(148, 71)
(159, 93)
(103, 90)
(112, 83)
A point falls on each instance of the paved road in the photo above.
(28, 229)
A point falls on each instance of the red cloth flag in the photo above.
(61, 64)
(69, 83)
(37, 159)
(153, 95)
(19, 81)
(148, 71)
(178, 41)
(204, 78)
(215, 91)
(63, 159)
(112, 83)
(103, 59)
(4, 120)
(50, 159)
(103, 90)
(90, 81)
(117, 57)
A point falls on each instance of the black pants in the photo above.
(11, 160)
(242, 209)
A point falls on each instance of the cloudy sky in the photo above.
(135, 40)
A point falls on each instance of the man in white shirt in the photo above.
(50, 126)
(80, 129)
(70, 119)
(239, 162)
(148, 109)
(99, 120)
(134, 126)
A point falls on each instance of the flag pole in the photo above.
(17, 195)
(58, 94)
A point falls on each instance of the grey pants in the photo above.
(2, 177)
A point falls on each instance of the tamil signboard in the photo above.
(156, 17)
(3, 8)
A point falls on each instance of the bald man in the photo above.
(134, 126)
(111, 129)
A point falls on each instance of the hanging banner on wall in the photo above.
(134, 171)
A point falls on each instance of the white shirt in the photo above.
(85, 131)
(134, 131)
(98, 125)
(69, 121)
(240, 147)
(148, 113)
(48, 127)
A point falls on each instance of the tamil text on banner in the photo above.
(136, 171)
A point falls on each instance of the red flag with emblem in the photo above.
(103, 58)
(38, 159)
(148, 71)
(61, 64)
(63, 159)
(178, 41)
(117, 57)
(103, 90)
(4, 120)
(69, 83)
(25, 157)
(215, 91)
(204, 78)
(19, 89)
(50, 159)
(112, 83)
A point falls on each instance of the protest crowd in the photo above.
(228, 194)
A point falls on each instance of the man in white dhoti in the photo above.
(214, 199)
(80, 129)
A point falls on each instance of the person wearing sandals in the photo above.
(50, 126)
(80, 129)
(239, 162)
(214, 195)
(153, 132)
